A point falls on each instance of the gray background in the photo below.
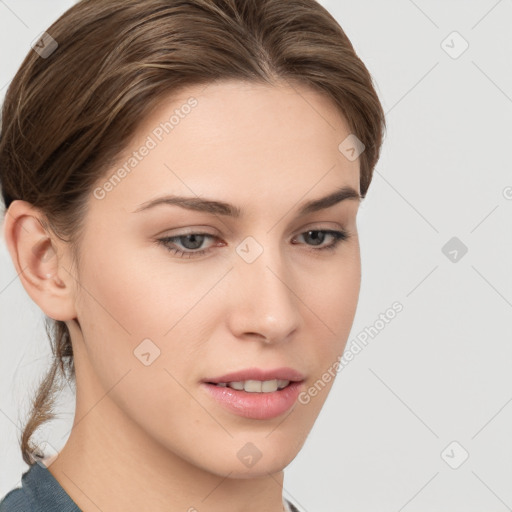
(434, 385)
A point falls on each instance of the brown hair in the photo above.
(69, 114)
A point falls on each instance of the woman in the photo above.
(182, 179)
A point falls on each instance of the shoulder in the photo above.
(39, 492)
(17, 500)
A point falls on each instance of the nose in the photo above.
(264, 304)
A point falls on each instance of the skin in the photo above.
(148, 437)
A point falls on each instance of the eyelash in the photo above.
(339, 236)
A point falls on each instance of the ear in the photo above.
(42, 261)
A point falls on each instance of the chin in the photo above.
(260, 470)
(249, 462)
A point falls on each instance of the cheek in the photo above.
(335, 301)
(129, 293)
(333, 307)
(131, 306)
(114, 310)
(124, 315)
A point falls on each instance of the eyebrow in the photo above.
(221, 208)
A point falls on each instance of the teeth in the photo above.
(282, 383)
(256, 386)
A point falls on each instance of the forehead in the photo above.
(234, 140)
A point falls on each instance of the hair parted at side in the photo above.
(66, 118)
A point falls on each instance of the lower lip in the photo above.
(257, 406)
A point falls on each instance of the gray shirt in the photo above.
(41, 492)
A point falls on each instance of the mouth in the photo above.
(279, 377)
(254, 386)
(256, 393)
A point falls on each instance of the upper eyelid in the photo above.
(315, 226)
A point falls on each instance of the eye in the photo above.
(318, 237)
(192, 242)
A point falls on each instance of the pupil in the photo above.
(195, 245)
(319, 236)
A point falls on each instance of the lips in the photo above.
(249, 403)
(283, 373)
(255, 406)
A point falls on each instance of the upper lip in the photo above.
(258, 374)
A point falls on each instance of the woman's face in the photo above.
(268, 289)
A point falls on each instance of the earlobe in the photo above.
(34, 253)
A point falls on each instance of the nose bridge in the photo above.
(266, 303)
